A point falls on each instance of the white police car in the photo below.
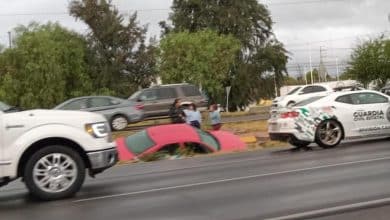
(299, 94)
(326, 120)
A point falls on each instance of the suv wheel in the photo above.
(119, 123)
(54, 172)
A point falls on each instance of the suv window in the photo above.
(76, 105)
(166, 93)
(368, 98)
(148, 95)
(98, 102)
(191, 91)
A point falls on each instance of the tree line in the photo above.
(212, 44)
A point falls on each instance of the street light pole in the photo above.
(311, 67)
(9, 39)
(337, 69)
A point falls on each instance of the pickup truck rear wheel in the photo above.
(54, 172)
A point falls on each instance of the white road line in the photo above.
(229, 179)
(334, 210)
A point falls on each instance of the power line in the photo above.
(303, 2)
(67, 13)
(159, 9)
(307, 50)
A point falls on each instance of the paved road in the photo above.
(254, 185)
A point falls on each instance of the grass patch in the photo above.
(246, 127)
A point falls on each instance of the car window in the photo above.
(102, 101)
(318, 89)
(293, 91)
(307, 89)
(309, 100)
(368, 98)
(347, 99)
(191, 91)
(75, 105)
(139, 142)
(208, 139)
(4, 107)
(166, 93)
(148, 95)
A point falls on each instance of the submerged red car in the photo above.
(162, 138)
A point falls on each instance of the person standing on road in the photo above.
(176, 112)
(215, 117)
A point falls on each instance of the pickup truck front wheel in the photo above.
(54, 172)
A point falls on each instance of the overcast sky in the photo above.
(304, 26)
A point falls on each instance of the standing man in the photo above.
(176, 112)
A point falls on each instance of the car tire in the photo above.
(329, 134)
(119, 122)
(298, 143)
(54, 172)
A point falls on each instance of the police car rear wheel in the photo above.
(329, 134)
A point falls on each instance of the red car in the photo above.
(163, 137)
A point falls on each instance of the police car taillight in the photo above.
(289, 114)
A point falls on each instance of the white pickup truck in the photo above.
(51, 150)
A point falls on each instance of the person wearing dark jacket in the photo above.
(176, 112)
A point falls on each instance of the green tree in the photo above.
(249, 22)
(370, 62)
(119, 58)
(315, 75)
(45, 67)
(202, 58)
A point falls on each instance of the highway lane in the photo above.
(251, 185)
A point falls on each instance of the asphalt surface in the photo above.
(272, 184)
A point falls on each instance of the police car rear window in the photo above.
(309, 100)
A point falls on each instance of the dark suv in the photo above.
(386, 90)
(158, 99)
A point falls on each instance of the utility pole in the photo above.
(322, 72)
(304, 73)
(337, 68)
(311, 67)
(9, 39)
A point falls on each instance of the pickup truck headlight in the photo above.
(98, 130)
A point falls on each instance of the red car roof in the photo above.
(172, 133)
